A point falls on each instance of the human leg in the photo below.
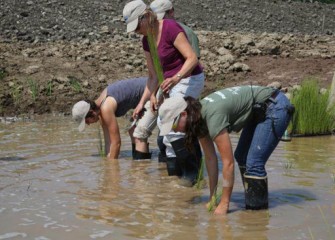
(265, 139)
(142, 132)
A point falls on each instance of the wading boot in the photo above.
(173, 167)
(189, 162)
(256, 192)
(162, 148)
(242, 171)
(133, 148)
(141, 155)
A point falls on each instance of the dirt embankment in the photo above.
(54, 53)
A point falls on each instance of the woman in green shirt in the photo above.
(262, 112)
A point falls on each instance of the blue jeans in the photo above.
(258, 141)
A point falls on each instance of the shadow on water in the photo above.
(12, 158)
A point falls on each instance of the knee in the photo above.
(141, 133)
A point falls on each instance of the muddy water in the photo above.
(54, 185)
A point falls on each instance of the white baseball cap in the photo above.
(168, 111)
(79, 112)
(131, 12)
(160, 7)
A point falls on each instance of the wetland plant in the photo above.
(49, 88)
(75, 84)
(313, 114)
(199, 184)
(33, 87)
(15, 93)
(101, 148)
(214, 200)
(3, 73)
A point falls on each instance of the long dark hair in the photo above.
(195, 124)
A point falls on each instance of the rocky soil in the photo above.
(53, 53)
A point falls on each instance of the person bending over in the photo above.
(262, 112)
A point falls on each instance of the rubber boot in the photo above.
(189, 162)
(162, 147)
(173, 167)
(256, 192)
(133, 148)
(141, 155)
(242, 171)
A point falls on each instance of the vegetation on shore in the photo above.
(314, 115)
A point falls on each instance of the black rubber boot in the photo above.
(189, 162)
(242, 171)
(133, 148)
(256, 192)
(141, 155)
(162, 148)
(173, 167)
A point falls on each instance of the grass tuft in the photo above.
(313, 115)
(33, 87)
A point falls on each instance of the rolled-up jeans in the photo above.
(190, 86)
(258, 141)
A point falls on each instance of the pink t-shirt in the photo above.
(171, 59)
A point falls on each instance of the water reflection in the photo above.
(54, 184)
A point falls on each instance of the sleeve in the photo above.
(216, 123)
(173, 29)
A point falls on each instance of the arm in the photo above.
(111, 129)
(191, 61)
(211, 163)
(223, 144)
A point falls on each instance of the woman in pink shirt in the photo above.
(183, 75)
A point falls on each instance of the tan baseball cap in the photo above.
(131, 12)
(79, 112)
(168, 111)
(160, 7)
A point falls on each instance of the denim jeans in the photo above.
(258, 141)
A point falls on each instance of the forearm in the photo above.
(227, 183)
(188, 66)
(114, 150)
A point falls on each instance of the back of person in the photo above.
(231, 107)
(127, 94)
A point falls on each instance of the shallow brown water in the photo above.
(54, 185)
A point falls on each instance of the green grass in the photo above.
(75, 84)
(49, 88)
(313, 115)
(3, 74)
(33, 87)
(16, 93)
(200, 177)
(101, 148)
(214, 201)
(155, 57)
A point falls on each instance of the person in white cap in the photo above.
(114, 101)
(262, 112)
(183, 75)
(165, 10)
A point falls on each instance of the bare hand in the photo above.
(168, 84)
(137, 111)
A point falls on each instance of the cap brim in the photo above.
(82, 125)
(131, 26)
(160, 16)
(165, 128)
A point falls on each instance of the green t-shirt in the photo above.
(231, 108)
(192, 38)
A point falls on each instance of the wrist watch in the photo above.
(179, 76)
